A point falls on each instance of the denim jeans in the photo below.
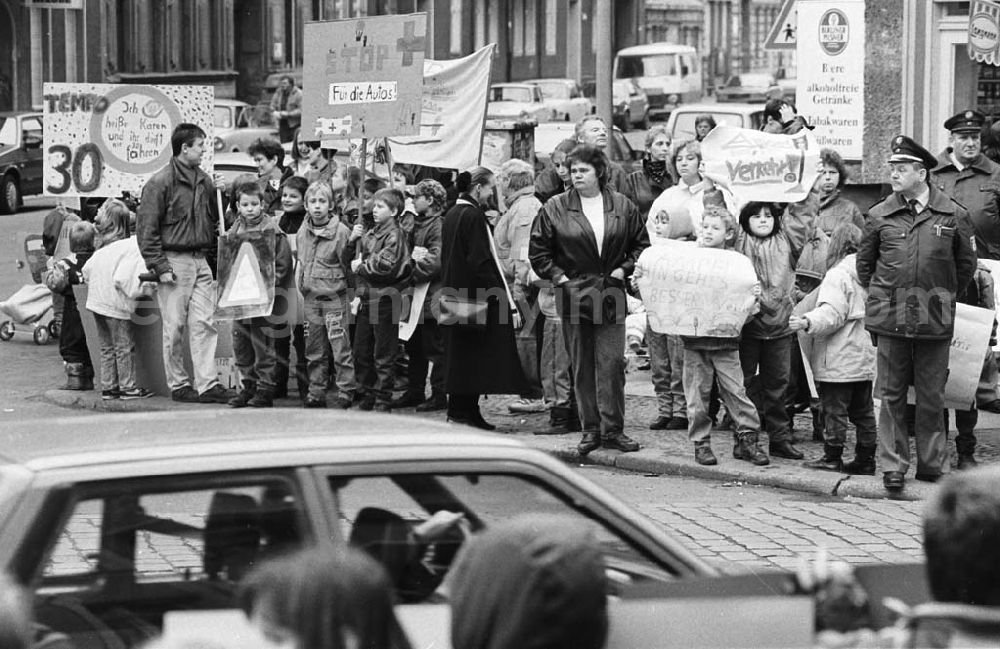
(557, 382)
(187, 308)
(526, 338)
(666, 360)
(596, 351)
(426, 348)
(376, 344)
(327, 323)
(287, 338)
(702, 369)
(897, 370)
(72, 338)
(847, 402)
(253, 347)
(770, 361)
(117, 353)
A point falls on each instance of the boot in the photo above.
(281, 380)
(863, 462)
(243, 397)
(966, 454)
(76, 378)
(558, 422)
(819, 426)
(262, 398)
(785, 449)
(746, 449)
(831, 460)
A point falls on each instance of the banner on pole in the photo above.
(103, 139)
(246, 275)
(758, 166)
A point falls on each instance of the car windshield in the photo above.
(752, 80)
(553, 89)
(650, 65)
(684, 124)
(8, 130)
(223, 117)
(510, 93)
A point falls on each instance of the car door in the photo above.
(31, 143)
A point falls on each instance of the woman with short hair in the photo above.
(644, 185)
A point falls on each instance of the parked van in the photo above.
(669, 74)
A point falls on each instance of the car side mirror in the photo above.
(31, 141)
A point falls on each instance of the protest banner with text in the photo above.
(105, 139)
(692, 291)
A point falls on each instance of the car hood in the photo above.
(508, 107)
(7, 148)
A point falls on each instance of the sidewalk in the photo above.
(663, 452)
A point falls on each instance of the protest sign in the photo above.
(413, 317)
(757, 166)
(104, 139)
(246, 275)
(692, 291)
(453, 109)
(365, 76)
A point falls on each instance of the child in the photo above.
(772, 237)
(253, 338)
(293, 212)
(402, 179)
(324, 277)
(112, 277)
(842, 357)
(65, 274)
(711, 359)
(383, 267)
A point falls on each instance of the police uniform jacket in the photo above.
(977, 189)
(914, 266)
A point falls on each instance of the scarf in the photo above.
(655, 170)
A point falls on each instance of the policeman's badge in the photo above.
(274, 183)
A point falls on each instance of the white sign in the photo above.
(368, 92)
(831, 72)
(782, 35)
(984, 31)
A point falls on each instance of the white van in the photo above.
(669, 74)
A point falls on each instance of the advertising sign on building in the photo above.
(104, 139)
(365, 76)
(831, 72)
(984, 31)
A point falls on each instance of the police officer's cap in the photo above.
(968, 121)
(904, 149)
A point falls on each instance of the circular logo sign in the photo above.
(133, 131)
(984, 34)
(833, 32)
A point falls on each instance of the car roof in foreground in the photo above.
(156, 436)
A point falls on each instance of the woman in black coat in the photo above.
(587, 241)
(478, 360)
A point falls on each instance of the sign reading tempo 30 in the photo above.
(370, 72)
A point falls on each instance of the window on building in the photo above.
(480, 18)
(518, 44)
(530, 28)
(456, 27)
(551, 27)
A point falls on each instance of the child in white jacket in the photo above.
(841, 356)
(112, 278)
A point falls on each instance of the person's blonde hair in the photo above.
(320, 188)
(113, 222)
(516, 174)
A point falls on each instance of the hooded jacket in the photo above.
(513, 234)
(536, 582)
(112, 278)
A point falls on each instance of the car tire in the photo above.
(626, 122)
(10, 195)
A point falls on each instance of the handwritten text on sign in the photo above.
(758, 166)
(362, 93)
(692, 291)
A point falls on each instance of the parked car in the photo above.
(238, 124)
(548, 136)
(21, 158)
(233, 165)
(144, 514)
(670, 74)
(564, 97)
(629, 105)
(749, 88)
(518, 101)
(681, 121)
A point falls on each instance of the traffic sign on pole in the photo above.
(783, 32)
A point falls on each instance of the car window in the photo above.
(379, 514)
(32, 126)
(223, 117)
(650, 65)
(126, 555)
(684, 124)
(554, 90)
(513, 93)
(243, 116)
(8, 130)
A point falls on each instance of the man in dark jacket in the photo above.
(177, 227)
(918, 253)
(972, 179)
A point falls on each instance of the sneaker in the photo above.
(677, 423)
(110, 395)
(215, 394)
(186, 394)
(313, 402)
(703, 455)
(135, 393)
(524, 405)
(343, 403)
(621, 442)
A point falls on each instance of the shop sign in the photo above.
(984, 32)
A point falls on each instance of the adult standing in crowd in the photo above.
(286, 106)
(478, 360)
(177, 228)
(972, 179)
(834, 209)
(644, 185)
(918, 253)
(586, 241)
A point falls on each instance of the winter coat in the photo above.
(642, 187)
(112, 278)
(774, 258)
(834, 209)
(914, 268)
(839, 348)
(293, 106)
(977, 189)
(427, 234)
(385, 261)
(290, 222)
(513, 234)
(478, 360)
(177, 212)
(812, 264)
(324, 269)
(563, 244)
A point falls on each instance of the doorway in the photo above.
(8, 58)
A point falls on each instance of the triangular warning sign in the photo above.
(246, 282)
(783, 34)
(741, 141)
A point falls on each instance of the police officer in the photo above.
(918, 253)
(972, 179)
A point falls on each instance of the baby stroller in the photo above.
(30, 308)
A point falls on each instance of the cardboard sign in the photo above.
(757, 166)
(102, 139)
(368, 75)
(246, 275)
(409, 324)
(994, 268)
(692, 291)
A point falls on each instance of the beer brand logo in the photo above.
(834, 32)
